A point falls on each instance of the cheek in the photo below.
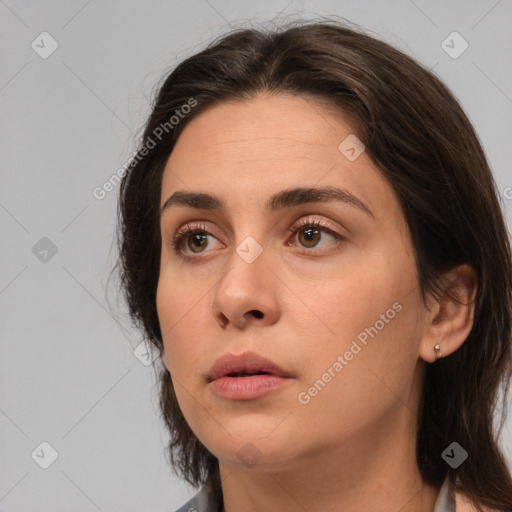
(172, 316)
(379, 358)
(185, 323)
(177, 295)
(352, 299)
(371, 311)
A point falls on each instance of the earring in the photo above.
(438, 354)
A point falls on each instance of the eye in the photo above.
(310, 232)
(196, 238)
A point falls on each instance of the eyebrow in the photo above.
(288, 198)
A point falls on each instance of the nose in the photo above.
(246, 294)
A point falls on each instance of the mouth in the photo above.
(247, 386)
(245, 365)
(247, 376)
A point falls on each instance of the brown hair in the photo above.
(418, 135)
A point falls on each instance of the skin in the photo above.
(352, 447)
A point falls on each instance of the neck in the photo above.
(375, 469)
(275, 492)
(328, 487)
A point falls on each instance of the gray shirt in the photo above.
(203, 501)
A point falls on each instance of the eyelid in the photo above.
(315, 221)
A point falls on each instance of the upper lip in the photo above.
(247, 362)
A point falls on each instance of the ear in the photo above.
(451, 316)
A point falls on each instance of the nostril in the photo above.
(222, 319)
(257, 314)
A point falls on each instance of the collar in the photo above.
(445, 501)
(204, 500)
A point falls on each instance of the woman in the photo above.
(310, 235)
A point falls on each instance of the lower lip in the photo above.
(247, 388)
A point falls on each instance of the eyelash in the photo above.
(181, 233)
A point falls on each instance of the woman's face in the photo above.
(339, 304)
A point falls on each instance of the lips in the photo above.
(248, 363)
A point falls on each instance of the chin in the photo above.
(257, 455)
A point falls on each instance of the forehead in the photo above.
(256, 147)
(293, 124)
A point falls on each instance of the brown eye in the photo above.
(309, 236)
(193, 240)
(311, 232)
(196, 241)
(194, 237)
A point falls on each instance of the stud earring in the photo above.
(438, 354)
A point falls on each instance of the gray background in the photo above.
(68, 372)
